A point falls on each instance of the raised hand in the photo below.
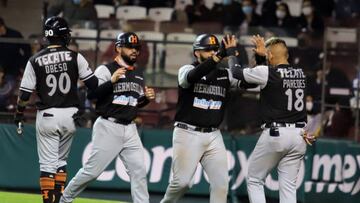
(230, 44)
(259, 43)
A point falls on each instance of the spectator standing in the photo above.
(310, 20)
(13, 55)
(79, 13)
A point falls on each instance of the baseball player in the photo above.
(282, 98)
(203, 90)
(53, 73)
(120, 93)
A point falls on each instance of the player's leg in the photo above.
(214, 162)
(67, 131)
(132, 156)
(187, 151)
(289, 165)
(265, 156)
(48, 146)
(107, 143)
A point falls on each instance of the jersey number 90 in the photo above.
(298, 104)
(64, 83)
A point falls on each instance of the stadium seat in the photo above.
(141, 25)
(207, 27)
(153, 36)
(210, 3)
(130, 12)
(294, 7)
(107, 34)
(341, 35)
(85, 44)
(104, 11)
(160, 14)
(178, 54)
(168, 27)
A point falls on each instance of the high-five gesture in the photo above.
(230, 45)
(259, 43)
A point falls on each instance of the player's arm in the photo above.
(85, 73)
(149, 94)
(248, 77)
(27, 86)
(106, 81)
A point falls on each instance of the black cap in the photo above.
(206, 42)
(56, 28)
(128, 39)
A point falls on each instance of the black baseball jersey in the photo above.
(127, 91)
(53, 73)
(282, 95)
(202, 103)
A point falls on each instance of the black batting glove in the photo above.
(18, 117)
(231, 51)
(221, 53)
(79, 119)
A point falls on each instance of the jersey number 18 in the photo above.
(299, 99)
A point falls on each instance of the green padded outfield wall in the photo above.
(330, 171)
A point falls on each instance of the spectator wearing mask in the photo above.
(284, 18)
(310, 20)
(78, 13)
(251, 18)
(13, 55)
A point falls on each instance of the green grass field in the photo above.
(14, 197)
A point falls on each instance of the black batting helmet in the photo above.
(128, 39)
(57, 30)
(206, 42)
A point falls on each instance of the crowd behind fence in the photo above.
(330, 105)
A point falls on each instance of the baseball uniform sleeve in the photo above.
(233, 82)
(182, 76)
(84, 70)
(103, 74)
(28, 82)
(258, 75)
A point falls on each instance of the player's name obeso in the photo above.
(53, 58)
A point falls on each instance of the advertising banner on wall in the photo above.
(329, 172)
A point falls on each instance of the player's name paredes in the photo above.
(291, 83)
(128, 87)
(53, 58)
(210, 89)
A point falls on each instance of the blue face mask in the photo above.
(76, 1)
(247, 9)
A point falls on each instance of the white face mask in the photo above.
(280, 14)
(307, 10)
(309, 106)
